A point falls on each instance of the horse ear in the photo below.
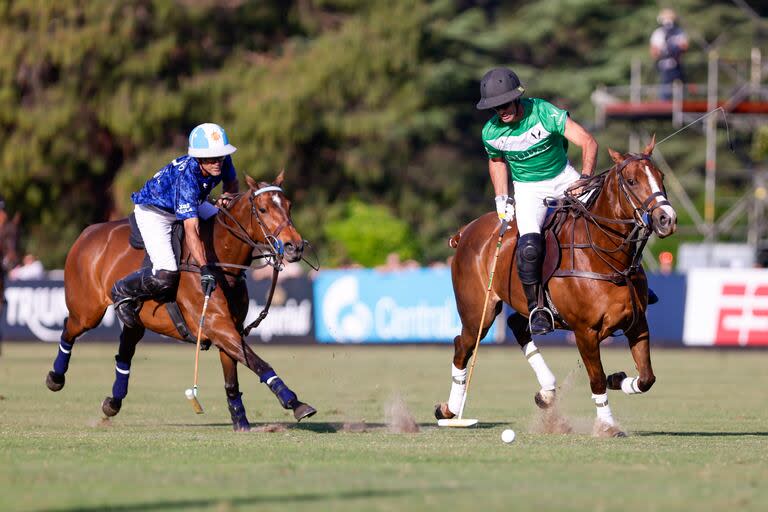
(251, 182)
(649, 148)
(616, 156)
(280, 178)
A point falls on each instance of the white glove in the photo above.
(505, 208)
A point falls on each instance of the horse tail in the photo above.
(453, 242)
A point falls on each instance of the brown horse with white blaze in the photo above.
(597, 285)
(256, 221)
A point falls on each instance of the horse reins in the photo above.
(634, 241)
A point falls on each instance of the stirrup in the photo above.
(550, 327)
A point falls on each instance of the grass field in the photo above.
(698, 441)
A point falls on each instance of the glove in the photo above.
(207, 280)
(505, 208)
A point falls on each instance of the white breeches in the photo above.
(155, 226)
(530, 209)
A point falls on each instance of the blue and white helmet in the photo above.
(209, 140)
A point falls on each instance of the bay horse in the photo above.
(597, 286)
(254, 223)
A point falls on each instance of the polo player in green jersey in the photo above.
(530, 136)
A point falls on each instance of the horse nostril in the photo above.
(664, 220)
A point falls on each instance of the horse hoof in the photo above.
(619, 433)
(243, 426)
(442, 412)
(303, 410)
(614, 380)
(545, 398)
(111, 406)
(54, 381)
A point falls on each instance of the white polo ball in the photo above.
(190, 393)
(508, 435)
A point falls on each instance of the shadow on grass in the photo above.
(326, 427)
(247, 500)
(699, 434)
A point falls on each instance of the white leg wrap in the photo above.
(629, 385)
(603, 409)
(458, 388)
(544, 375)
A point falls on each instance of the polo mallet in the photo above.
(191, 393)
(460, 421)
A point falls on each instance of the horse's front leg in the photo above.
(129, 338)
(234, 396)
(589, 347)
(639, 344)
(229, 340)
(545, 397)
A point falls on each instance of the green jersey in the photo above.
(534, 147)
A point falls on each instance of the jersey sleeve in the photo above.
(186, 196)
(551, 117)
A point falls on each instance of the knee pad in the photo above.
(530, 253)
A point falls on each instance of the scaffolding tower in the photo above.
(746, 106)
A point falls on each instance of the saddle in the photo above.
(177, 235)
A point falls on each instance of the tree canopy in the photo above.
(368, 106)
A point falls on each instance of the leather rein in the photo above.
(271, 251)
(631, 243)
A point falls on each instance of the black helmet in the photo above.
(499, 86)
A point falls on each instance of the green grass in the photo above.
(698, 441)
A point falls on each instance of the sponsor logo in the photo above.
(348, 316)
(42, 310)
(184, 208)
(290, 319)
(742, 316)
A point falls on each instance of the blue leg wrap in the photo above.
(61, 364)
(237, 411)
(284, 394)
(122, 373)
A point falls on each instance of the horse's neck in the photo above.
(228, 247)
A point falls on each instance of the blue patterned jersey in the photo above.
(180, 186)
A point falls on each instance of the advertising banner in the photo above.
(727, 307)
(370, 306)
(35, 310)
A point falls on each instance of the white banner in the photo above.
(726, 307)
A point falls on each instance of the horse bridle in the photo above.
(643, 212)
(634, 241)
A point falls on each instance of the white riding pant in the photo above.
(530, 209)
(155, 226)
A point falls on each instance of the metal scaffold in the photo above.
(744, 102)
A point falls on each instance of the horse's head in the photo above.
(271, 210)
(641, 186)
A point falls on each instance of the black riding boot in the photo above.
(130, 292)
(539, 319)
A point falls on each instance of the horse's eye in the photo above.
(631, 181)
(262, 210)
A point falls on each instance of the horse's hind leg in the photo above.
(129, 338)
(232, 388)
(545, 397)
(463, 347)
(639, 344)
(74, 326)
